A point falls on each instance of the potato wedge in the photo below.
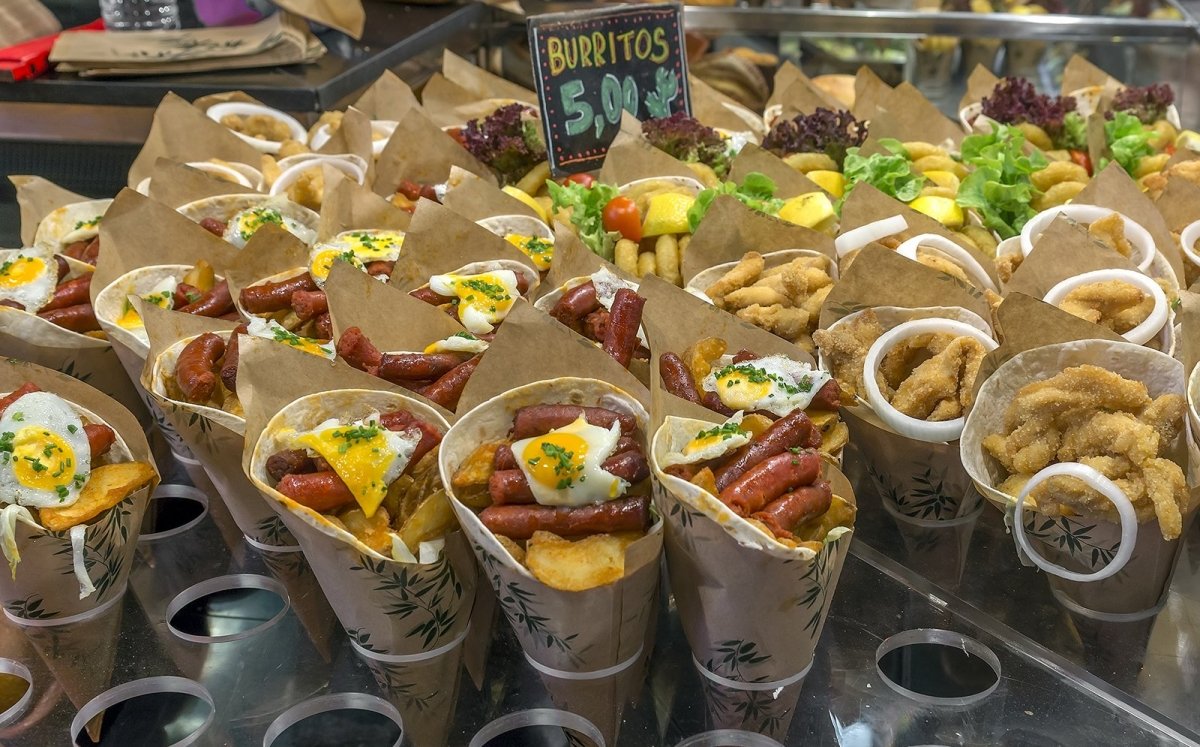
(477, 468)
(514, 549)
(576, 566)
(432, 520)
(107, 485)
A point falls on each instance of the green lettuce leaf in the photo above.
(757, 191)
(890, 173)
(999, 188)
(587, 213)
(1128, 141)
(1074, 133)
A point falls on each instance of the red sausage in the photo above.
(27, 388)
(91, 252)
(504, 459)
(289, 461)
(429, 296)
(712, 401)
(402, 420)
(537, 420)
(213, 304)
(795, 507)
(829, 397)
(70, 293)
(275, 296)
(744, 355)
(793, 429)
(625, 316)
(64, 268)
(186, 294)
(214, 226)
(76, 249)
(447, 389)
(380, 267)
(229, 366)
(100, 438)
(595, 325)
(631, 466)
(196, 369)
(575, 304)
(520, 522)
(78, 318)
(357, 350)
(396, 367)
(677, 378)
(320, 491)
(770, 479)
(13, 304)
(509, 486)
(308, 304)
(323, 326)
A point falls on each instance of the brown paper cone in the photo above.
(37, 198)
(350, 207)
(870, 93)
(1079, 73)
(480, 82)
(600, 700)
(573, 260)
(346, 16)
(419, 151)
(631, 158)
(1084, 543)
(476, 198)
(214, 437)
(907, 115)
(175, 184)
(573, 632)
(979, 86)
(731, 705)
(388, 98)
(425, 691)
(308, 602)
(43, 586)
(734, 630)
(387, 606)
(730, 229)
(182, 133)
(788, 181)
(1064, 250)
(1114, 189)
(715, 109)
(440, 240)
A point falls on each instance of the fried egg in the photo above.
(607, 284)
(356, 247)
(83, 230)
(711, 443)
(540, 250)
(161, 294)
(28, 276)
(563, 466)
(776, 384)
(245, 223)
(269, 329)
(45, 458)
(367, 456)
(483, 300)
(459, 342)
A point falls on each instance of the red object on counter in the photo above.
(32, 58)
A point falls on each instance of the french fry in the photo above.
(702, 354)
(477, 468)
(374, 532)
(533, 182)
(593, 561)
(666, 259)
(646, 264)
(515, 550)
(432, 519)
(626, 256)
(201, 276)
(107, 485)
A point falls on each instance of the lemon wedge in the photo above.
(528, 201)
(809, 210)
(942, 209)
(831, 181)
(667, 213)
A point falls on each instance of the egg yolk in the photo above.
(368, 246)
(255, 219)
(742, 387)
(556, 460)
(323, 262)
(536, 248)
(41, 460)
(359, 456)
(483, 292)
(131, 319)
(20, 271)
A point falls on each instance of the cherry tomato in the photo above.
(1083, 159)
(586, 180)
(457, 134)
(621, 215)
(1170, 149)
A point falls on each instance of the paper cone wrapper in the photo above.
(388, 98)
(600, 700)
(476, 198)
(387, 606)
(424, 689)
(480, 82)
(43, 585)
(730, 705)
(215, 437)
(420, 151)
(37, 198)
(182, 133)
(568, 631)
(1084, 543)
(788, 182)
(308, 602)
(719, 565)
(174, 184)
(74, 655)
(349, 207)
(133, 362)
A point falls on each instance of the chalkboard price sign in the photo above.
(589, 66)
